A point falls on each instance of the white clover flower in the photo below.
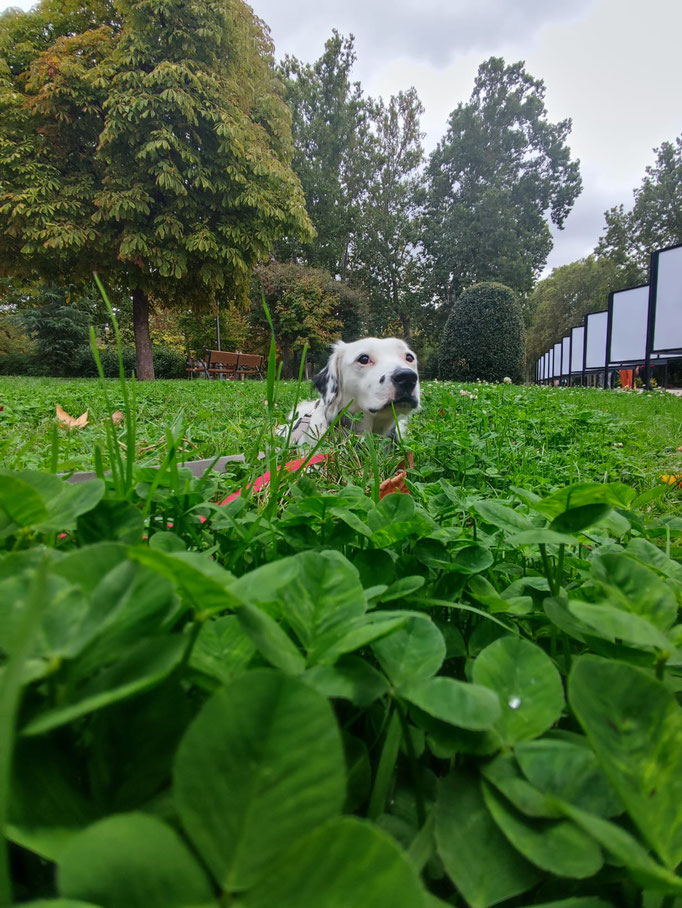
(507, 380)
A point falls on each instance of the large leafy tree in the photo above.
(561, 301)
(654, 221)
(333, 152)
(501, 171)
(388, 256)
(154, 147)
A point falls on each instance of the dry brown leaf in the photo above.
(69, 421)
(394, 484)
(117, 417)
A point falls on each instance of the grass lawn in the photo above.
(533, 437)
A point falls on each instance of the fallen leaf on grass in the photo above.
(117, 417)
(394, 484)
(69, 421)
(397, 483)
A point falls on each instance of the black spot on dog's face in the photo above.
(321, 380)
(326, 384)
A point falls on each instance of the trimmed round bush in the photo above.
(484, 336)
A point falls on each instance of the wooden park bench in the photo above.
(222, 364)
(196, 368)
(250, 364)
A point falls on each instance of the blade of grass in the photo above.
(278, 478)
(386, 767)
(10, 695)
(130, 417)
(54, 450)
(99, 465)
(115, 460)
(461, 606)
(374, 463)
(292, 420)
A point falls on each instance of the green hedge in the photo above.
(484, 336)
(168, 363)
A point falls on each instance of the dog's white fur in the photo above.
(373, 376)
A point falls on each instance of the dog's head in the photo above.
(375, 374)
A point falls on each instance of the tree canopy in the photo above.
(156, 142)
(500, 171)
(329, 127)
(388, 253)
(654, 221)
(360, 161)
(155, 149)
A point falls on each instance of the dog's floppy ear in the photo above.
(328, 383)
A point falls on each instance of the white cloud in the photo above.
(428, 30)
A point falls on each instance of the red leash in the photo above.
(292, 466)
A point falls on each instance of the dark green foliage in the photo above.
(47, 328)
(484, 336)
(168, 363)
(60, 329)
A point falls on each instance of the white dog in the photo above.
(373, 376)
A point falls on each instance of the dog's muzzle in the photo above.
(404, 381)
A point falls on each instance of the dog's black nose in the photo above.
(405, 380)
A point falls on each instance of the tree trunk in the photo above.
(403, 316)
(406, 324)
(289, 362)
(143, 344)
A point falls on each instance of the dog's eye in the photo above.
(363, 358)
(409, 357)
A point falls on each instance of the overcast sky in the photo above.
(613, 66)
